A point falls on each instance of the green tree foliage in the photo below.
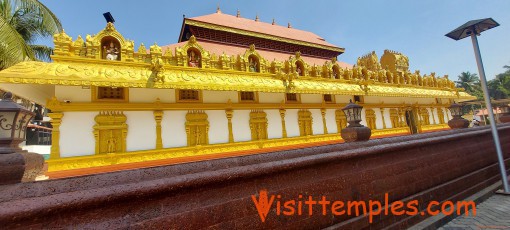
(471, 83)
(499, 87)
(22, 22)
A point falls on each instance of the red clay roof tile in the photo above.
(262, 28)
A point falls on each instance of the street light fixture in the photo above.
(16, 165)
(354, 131)
(13, 123)
(472, 29)
(457, 122)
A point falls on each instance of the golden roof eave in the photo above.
(139, 75)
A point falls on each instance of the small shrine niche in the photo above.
(253, 64)
(194, 58)
(300, 68)
(336, 72)
(110, 49)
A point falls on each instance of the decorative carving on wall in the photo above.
(341, 120)
(197, 128)
(305, 122)
(258, 125)
(370, 118)
(110, 132)
(394, 118)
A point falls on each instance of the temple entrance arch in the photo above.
(410, 117)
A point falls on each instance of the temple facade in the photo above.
(230, 84)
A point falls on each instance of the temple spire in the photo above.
(289, 26)
(238, 13)
(274, 22)
(257, 18)
(218, 10)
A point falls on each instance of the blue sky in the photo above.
(415, 28)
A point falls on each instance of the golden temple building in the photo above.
(230, 84)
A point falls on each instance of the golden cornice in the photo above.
(260, 35)
(138, 75)
(59, 106)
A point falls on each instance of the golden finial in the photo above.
(218, 10)
(238, 13)
(257, 18)
(289, 26)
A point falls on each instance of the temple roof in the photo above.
(218, 49)
(262, 27)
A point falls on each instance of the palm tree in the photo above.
(22, 22)
(499, 87)
(471, 83)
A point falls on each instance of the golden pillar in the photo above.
(284, 129)
(230, 114)
(158, 116)
(383, 121)
(56, 120)
(323, 113)
(433, 117)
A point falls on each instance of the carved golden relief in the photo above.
(258, 125)
(252, 61)
(395, 118)
(341, 120)
(440, 115)
(197, 128)
(424, 115)
(110, 132)
(370, 118)
(305, 122)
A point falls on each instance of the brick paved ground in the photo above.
(493, 213)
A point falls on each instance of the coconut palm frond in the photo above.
(41, 52)
(12, 45)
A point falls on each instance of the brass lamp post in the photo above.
(457, 122)
(16, 164)
(354, 131)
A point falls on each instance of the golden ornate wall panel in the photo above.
(341, 120)
(394, 118)
(110, 132)
(370, 118)
(258, 125)
(305, 121)
(197, 128)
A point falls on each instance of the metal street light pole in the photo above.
(472, 29)
(488, 104)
